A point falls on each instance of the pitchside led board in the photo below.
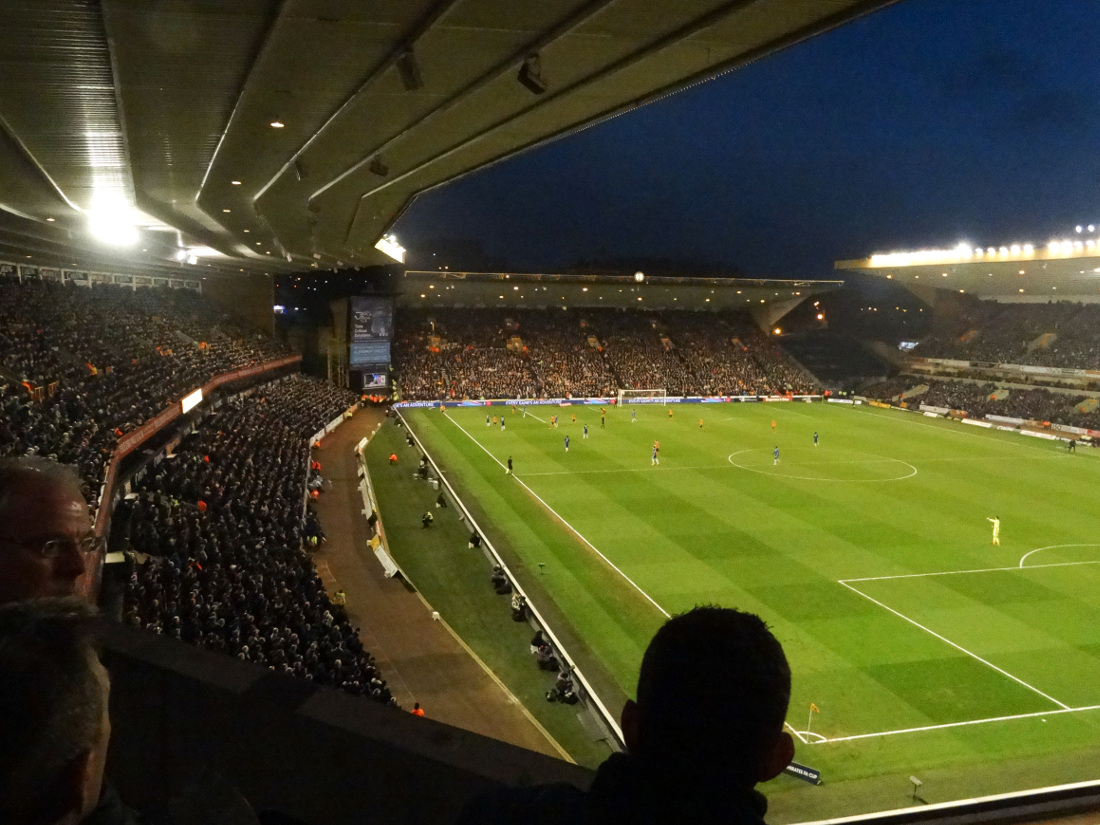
(371, 332)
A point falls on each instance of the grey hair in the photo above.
(15, 472)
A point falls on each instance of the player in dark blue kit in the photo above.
(567, 443)
(585, 431)
(815, 438)
(775, 456)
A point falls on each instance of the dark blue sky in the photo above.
(929, 122)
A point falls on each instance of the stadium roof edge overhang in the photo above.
(292, 134)
(421, 288)
(1016, 273)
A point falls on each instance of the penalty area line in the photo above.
(983, 569)
(958, 647)
(574, 530)
(947, 725)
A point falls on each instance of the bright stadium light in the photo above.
(639, 276)
(389, 245)
(112, 228)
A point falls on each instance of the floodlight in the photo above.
(530, 75)
(112, 229)
(389, 245)
(409, 69)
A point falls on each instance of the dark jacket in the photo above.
(110, 810)
(626, 791)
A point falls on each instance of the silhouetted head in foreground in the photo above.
(712, 698)
(706, 728)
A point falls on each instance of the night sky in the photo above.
(927, 123)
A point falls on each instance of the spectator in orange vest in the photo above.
(417, 710)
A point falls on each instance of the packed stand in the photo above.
(641, 355)
(890, 388)
(728, 355)
(587, 353)
(993, 332)
(222, 525)
(108, 358)
(978, 401)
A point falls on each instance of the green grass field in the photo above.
(929, 651)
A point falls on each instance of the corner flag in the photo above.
(814, 708)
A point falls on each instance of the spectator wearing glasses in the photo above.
(46, 542)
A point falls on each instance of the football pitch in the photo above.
(928, 650)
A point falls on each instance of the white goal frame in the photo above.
(628, 396)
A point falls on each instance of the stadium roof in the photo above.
(281, 134)
(1064, 268)
(520, 291)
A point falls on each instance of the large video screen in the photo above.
(371, 331)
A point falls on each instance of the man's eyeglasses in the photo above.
(53, 548)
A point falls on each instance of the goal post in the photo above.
(642, 396)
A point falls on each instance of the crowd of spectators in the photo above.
(81, 366)
(221, 525)
(980, 400)
(549, 354)
(890, 389)
(1055, 334)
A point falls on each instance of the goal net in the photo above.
(633, 396)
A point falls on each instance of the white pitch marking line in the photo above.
(650, 469)
(982, 569)
(957, 724)
(957, 646)
(1055, 547)
(785, 476)
(576, 532)
(797, 733)
(1023, 445)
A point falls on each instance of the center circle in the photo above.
(809, 465)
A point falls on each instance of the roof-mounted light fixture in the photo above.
(530, 74)
(409, 69)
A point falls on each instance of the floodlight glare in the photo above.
(389, 245)
(112, 229)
